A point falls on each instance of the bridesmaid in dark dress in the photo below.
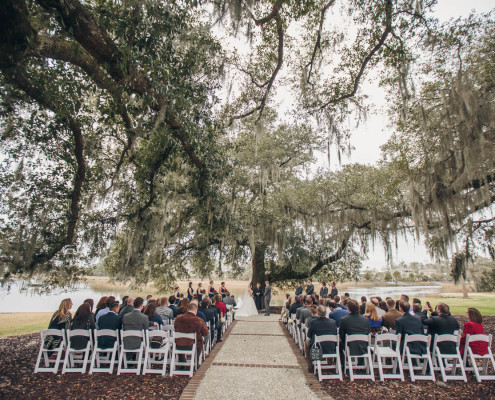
(223, 290)
(177, 295)
(199, 292)
(258, 292)
(190, 292)
(211, 290)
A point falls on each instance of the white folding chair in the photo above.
(102, 356)
(297, 332)
(156, 355)
(230, 314)
(423, 360)
(47, 354)
(448, 362)
(207, 340)
(486, 358)
(77, 356)
(125, 364)
(351, 361)
(325, 364)
(189, 356)
(387, 347)
(302, 337)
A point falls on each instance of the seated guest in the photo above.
(109, 301)
(61, 319)
(153, 316)
(111, 321)
(354, 324)
(164, 311)
(171, 304)
(128, 308)
(199, 314)
(220, 304)
(183, 305)
(101, 305)
(320, 326)
(409, 325)
(405, 297)
(136, 321)
(297, 304)
(383, 307)
(91, 304)
(391, 315)
(418, 311)
(374, 320)
(313, 314)
(304, 312)
(124, 303)
(336, 313)
(209, 314)
(229, 300)
(362, 307)
(288, 301)
(338, 302)
(83, 319)
(218, 317)
(474, 326)
(190, 323)
(441, 323)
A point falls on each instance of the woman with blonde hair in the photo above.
(373, 318)
(61, 319)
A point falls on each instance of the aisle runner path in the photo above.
(255, 362)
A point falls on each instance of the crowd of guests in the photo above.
(136, 313)
(324, 314)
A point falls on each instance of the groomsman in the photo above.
(299, 289)
(310, 289)
(334, 291)
(323, 290)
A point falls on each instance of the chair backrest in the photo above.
(418, 338)
(447, 338)
(179, 335)
(53, 332)
(293, 317)
(106, 332)
(479, 338)
(358, 338)
(326, 338)
(78, 332)
(132, 333)
(387, 337)
(152, 334)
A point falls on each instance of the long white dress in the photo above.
(247, 308)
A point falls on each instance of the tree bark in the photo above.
(464, 289)
(258, 264)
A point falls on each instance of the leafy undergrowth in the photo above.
(17, 380)
(424, 390)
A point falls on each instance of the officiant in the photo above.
(258, 293)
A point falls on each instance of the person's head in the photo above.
(82, 314)
(211, 283)
(322, 311)
(314, 310)
(130, 301)
(138, 303)
(183, 304)
(190, 284)
(218, 298)
(346, 294)
(91, 303)
(64, 307)
(172, 299)
(222, 284)
(227, 294)
(416, 301)
(332, 305)
(298, 298)
(345, 301)
(192, 307)
(258, 285)
(363, 299)
(124, 299)
(195, 301)
(298, 283)
(149, 297)
(150, 309)
(397, 306)
(416, 308)
(323, 284)
(383, 306)
(102, 303)
(287, 296)
(267, 283)
(353, 306)
(163, 301)
(115, 306)
(309, 301)
(333, 284)
(371, 311)
(390, 304)
(337, 299)
(310, 281)
(404, 306)
(378, 298)
(176, 288)
(404, 297)
(322, 301)
(443, 309)
(109, 301)
(206, 302)
(374, 300)
(474, 315)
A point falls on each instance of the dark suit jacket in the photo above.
(442, 325)
(174, 309)
(355, 324)
(209, 315)
(323, 291)
(299, 290)
(124, 310)
(134, 320)
(294, 307)
(410, 325)
(109, 321)
(310, 289)
(334, 292)
(322, 326)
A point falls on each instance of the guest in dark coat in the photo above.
(153, 316)
(295, 306)
(310, 289)
(61, 319)
(409, 325)
(362, 307)
(83, 319)
(442, 323)
(128, 308)
(110, 321)
(354, 324)
(171, 301)
(320, 326)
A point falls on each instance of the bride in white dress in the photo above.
(247, 308)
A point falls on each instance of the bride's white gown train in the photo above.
(247, 308)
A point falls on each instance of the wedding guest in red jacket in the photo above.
(220, 304)
(473, 327)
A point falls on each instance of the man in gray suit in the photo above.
(268, 297)
(135, 321)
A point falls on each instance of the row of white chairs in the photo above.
(384, 354)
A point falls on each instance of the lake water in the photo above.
(26, 300)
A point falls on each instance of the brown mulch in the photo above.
(424, 390)
(17, 380)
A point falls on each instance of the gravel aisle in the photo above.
(255, 340)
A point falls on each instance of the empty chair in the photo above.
(326, 363)
(387, 348)
(50, 358)
(76, 356)
(352, 360)
(156, 352)
(130, 354)
(183, 357)
(103, 355)
(480, 373)
(448, 362)
(424, 362)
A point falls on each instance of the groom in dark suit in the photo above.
(268, 297)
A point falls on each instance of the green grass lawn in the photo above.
(484, 302)
(12, 324)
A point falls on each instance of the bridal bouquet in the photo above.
(222, 320)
